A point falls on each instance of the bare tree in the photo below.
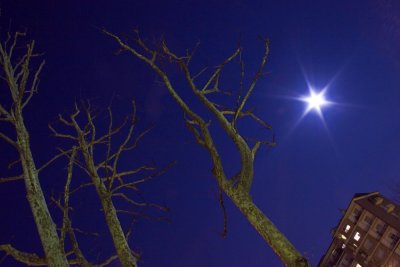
(110, 180)
(237, 187)
(21, 85)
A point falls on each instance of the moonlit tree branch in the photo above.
(20, 75)
(30, 259)
(237, 187)
(64, 206)
(101, 154)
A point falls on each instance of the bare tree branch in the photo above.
(56, 134)
(12, 178)
(7, 116)
(65, 208)
(255, 80)
(138, 214)
(66, 221)
(250, 114)
(35, 84)
(258, 143)
(30, 259)
(80, 187)
(108, 261)
(14, 43)
(238, 187)
(18, 77)
(8, 139)
(217, 72)
(133, 184)
(224, 212)
(50, 161)
(103, 171)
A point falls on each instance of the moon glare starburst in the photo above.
(315, 101)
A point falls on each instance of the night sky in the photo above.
(349, 48)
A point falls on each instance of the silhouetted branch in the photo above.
(138, 214)
(80, 187)
(50, 161)
(224, 212)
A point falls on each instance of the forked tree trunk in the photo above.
(55, 256)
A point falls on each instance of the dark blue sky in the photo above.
(300, 184)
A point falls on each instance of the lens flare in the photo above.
(315, 101)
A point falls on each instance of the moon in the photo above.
(315, 101)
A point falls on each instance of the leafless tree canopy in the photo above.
(90, 150)
(22, 83)
(238, 186)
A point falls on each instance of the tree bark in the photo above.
(266, 229)
(47, 229)
(125, 255)
(121, 245)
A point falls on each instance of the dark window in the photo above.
(380, 229)
(395, 238)
(355, 215)
(368, 219)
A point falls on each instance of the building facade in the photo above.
(367, 235)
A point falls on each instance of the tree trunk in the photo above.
(125, 255)
(267, 230)
(239, 186)
(55, 256)
(121, 245)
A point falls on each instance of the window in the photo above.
(395, 238)
(396, 215)
(368, 244)
(347, 228)
(389, 207)
(357, 212)
(355, 215)
(368, 219)
(363, 254)
(380, 229)
(378, 200)
(347, 260)
(357, 236)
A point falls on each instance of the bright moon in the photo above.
(315, 101)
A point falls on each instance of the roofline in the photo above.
(359, 196)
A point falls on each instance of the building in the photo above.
(367, 235)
